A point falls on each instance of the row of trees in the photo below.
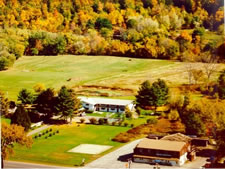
(65, 103)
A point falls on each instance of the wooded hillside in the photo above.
(165, 29)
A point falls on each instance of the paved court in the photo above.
(90, 149)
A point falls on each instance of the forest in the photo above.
(185, 30)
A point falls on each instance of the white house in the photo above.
(106, 105)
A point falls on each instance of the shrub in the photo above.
(113, 123)
(120, 123)
(57, 131)
(125, 124)
(132, 125)
(35, 136)
(46, 137)
(46, 131)
(173, 115)
(93, 120)
(39, 135)
(53, 133)
(50, 130)
(101, 121)
(82, 120)
(152, 120)
(50, 135)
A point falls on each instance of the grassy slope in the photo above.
(54, 71)
(5, 120)
(54, 149)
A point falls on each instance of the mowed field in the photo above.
(74, 71)
(54, 149)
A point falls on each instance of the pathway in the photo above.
(38, 130)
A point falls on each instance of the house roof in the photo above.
(95, 100)
(177, 137)
(161, 144)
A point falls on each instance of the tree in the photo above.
(39, 87)
(221, 83)
(209, 66)
(128, 112)
(11, 134)
(220, 137)
(21, 117)
(25, 97)
(45, 102)
(65, 102)
(103, 23)
(4, 104)
(144, 95)
(194, 125)
(152, 95)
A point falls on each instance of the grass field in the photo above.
(54, 149)
(6, 120)
(74, 71)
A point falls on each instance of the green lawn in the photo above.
(138, 121)
(55, 71)
(54, 149)
(6, 120)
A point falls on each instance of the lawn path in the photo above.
(38, 130)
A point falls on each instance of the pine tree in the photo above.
(25, 97)
(65, 102)
(21, 117)
(152, 95)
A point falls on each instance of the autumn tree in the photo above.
(11, 134)
(4, 104)
(221, 83)
(21, 118)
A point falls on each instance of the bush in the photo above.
(50, 130)
(82, 120)
(50, 135)
(35, 136)
(101, 121)
(46, 131)
(120, 123)
(93, 120)
(57, 131)
(46, 137)
(113, 123)
(152, 120)
(125, 124)
(173, 115)
(132, 125)
(53, 133)
(39, 135)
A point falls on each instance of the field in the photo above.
(91, 73)
(54, 149)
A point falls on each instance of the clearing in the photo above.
(110, 76)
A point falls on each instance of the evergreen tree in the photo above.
(144, 95)
(65, 102)
(21, 117)
(45, 102)
(25, 97)
(152, 95)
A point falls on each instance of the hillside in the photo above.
(117, 76)
(160, 29)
